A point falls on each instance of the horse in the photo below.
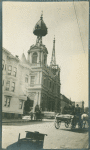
(84, 117)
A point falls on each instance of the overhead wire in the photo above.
(80, 34)
(78, 27)
(86, 12)
(83, 7)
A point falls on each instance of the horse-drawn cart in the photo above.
(67, 119)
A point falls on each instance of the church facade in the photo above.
(44, 79)
(35, 79)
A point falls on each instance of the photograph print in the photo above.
(45, 102)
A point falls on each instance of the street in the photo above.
(63, 138)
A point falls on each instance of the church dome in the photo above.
(40, 28)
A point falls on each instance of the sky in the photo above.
(69, 22)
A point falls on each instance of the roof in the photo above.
(41, 47)
(9, 54)
(40, 28)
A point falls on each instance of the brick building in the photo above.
(64, 102)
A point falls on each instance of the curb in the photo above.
(23, 121)
(18, 121)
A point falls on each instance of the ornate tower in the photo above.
(44, 79)
(37, 54)
(56, 71)
(53, 59)
(54, 67)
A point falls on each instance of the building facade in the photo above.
(15, 81)
(44, 80)
(31, 78)
(65, 102)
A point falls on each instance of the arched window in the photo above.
(34, 58)
(45, 59)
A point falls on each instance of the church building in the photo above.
(44, 79)
(31, 77)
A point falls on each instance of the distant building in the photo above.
(80, 103)
(86, 110)
(64, 102)
(31, 78)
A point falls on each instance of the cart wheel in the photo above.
(66, 124)
(57, 124)
(80, 125)
(73, 125)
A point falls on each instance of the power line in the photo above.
(83, 7)
(78, 27)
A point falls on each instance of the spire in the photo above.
(41, 15)
(53, 59)
(23, 58)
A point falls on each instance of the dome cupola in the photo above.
(40, 28)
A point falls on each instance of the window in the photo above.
(34, 58)
(15, 71)
(20, 104)
(32, 80)
(7, 101)
(9, 70)
(44, 81)
(26, 79)
(13, 87)
(50, 84)
(2, 82)
(53, 87)
(45, 59)
(3, 64)
(7, 85)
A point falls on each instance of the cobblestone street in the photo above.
(62, 138)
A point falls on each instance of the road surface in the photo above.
(62, 138)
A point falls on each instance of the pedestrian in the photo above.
(78, 115)
(78, 111)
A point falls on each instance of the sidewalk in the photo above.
(14, 120)
(22, 120)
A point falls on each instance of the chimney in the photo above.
(16, 56)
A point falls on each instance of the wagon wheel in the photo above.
(73, 125)
(80, 124)
(67, 124)
(57, 124)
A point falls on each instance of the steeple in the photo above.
(41, 15)
(23, 58)
(53, 59)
